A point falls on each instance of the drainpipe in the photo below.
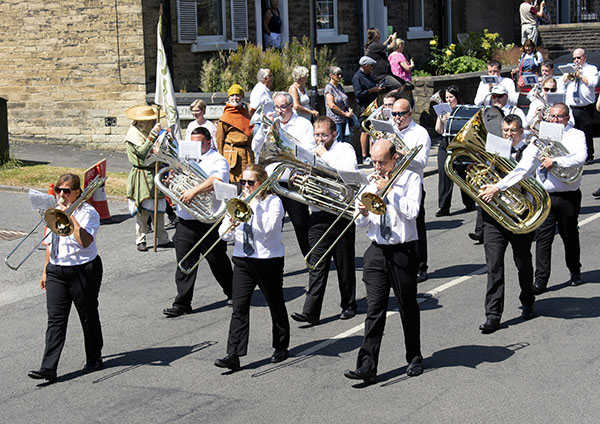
(313, 61)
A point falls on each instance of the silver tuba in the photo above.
(184, 175)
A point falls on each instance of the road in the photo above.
(160, 370)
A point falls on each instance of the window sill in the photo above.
(199, 47)
(416, 33)
(331, 38)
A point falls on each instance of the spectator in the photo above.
(400, 66)
(198, 108)
(298, 92)
(336, 103)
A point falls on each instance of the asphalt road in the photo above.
(160, 370)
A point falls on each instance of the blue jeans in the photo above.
(341, 132)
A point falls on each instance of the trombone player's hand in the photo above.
(488, 192)
(381, 180)
(360, 207)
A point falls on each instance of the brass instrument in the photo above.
(367, 127)
(369, 109)
(184, 175)
(57, 221)
(239, 210)
(374, 202)
(543, 114)
(512, 209)
(572, 76)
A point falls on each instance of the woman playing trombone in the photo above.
(257, 259)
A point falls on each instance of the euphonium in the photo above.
(513, 208)
(184, 175)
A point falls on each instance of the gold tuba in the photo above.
(512, 209)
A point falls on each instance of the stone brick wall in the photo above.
(66, 65)
(562, 39)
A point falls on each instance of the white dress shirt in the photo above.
(514, 110)
(483, 96)
(261, 95)
(70, 252)
(299, 128)
(415, 135)
(573, 140)
(266, 223)
(537, 104)
(404, 201)
(214, 165)
(586, 91)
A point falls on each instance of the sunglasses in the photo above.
(498, 95)
(558, 116)
(549, 89)
(59, 190)
(400, 114)
(577, 57)
(250, 183)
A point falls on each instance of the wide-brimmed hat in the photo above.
(235, 89)
(143, 113)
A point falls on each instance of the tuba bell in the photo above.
(520, 209)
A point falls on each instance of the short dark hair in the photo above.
(509, 119)
(455, 91)
(326, 120)
(494, 63)
(563, 106)
(201, 130)
(547, 63)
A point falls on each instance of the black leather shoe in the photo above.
(589, 160)
(94, 366)
(576, 280)
(362, 373)
(230, 361)
(527, 313)
(443, 212)
(141, 247)
(596, 193)
(177, 310)
(304, 318)
(490, 325)
(476, 237)
(539, 287)
(421, 276)
(415, 368)
(348, 313)
(43, 374)
(279, 355)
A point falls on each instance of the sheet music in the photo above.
(305, 155)
(189, 150)
(442, 108)
(353, 177)
(490, 79)
(382, 126)
(553, 98)
(567, 69)
(224, 191)
(495, 144)
(551, 131)
(41, 201)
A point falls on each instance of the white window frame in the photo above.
(419, 32)
(331, 36)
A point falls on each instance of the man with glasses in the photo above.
(338, 155)
(565, 199)
(189, 231)
(483, 96)
(580, 96)
(413, 134)
(496, 239)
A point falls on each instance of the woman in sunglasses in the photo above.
(72, 274)
(336, 103)
(549, 86)
(258, 260)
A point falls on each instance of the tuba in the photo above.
(513, 208)
(184, 175)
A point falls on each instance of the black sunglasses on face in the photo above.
(249, 182)
(550, 89)
(59, 190)
(400, 113)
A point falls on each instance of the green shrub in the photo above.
(463, 64)
(240, 66)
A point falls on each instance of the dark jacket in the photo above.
(378, 52)
(361, 83)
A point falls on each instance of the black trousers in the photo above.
(446, 185)
(392, 266)
(343, 257)
(78, 284)
(268, 275)
(299, 214)
(584, 116)
(187, 234)
(564, 212)
(495, 241)
(422, 234)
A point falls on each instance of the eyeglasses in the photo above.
(577, 57)
(59, 190)
(282, 107)
(558, 116)
(250, 183)
(549, 89)
(322, 136)
(400, 114)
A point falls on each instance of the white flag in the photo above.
(165, 95)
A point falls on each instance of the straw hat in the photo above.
(142, 113)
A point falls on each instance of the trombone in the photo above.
(239, 210)
(374, 202)
(57, 221)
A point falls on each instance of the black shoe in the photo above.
(230, 361)
(142, 247)
(539, 287)
(229, 302)
(167, 245)
(348, 313)
(421, 276)
(362, 373)
(527, 313)
(576, 280)
(476, 237)
(470, 208)
(304, 318)
(490, 325)
(94, 366)
(43, 374)
(443, 212)
(589, 160)
(177, 310)
(596, 193)
(415, 368)
(279, 355)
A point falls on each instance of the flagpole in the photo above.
(156, 187)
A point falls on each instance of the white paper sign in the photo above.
(567, 69)
(41, 201)
(382, 126)
(495, 144)
(442, 109)
(490, 79)
(189, 150)
(224, 191)
(387, 112)
(553, 98)
(551, 131)
(353, 177)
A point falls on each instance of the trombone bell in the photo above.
(239, 210)
(58, 222)
(373, 203)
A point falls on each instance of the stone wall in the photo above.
(564, 38)
(67, 65)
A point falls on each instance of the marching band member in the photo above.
(565, 199)
(390, 262)
(482, 97)
(500, 99)
(549, 85)
(495, 241)
(338, 155)
(258, 260)
(72, 274)
(189, 230)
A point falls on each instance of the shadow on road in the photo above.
(455, 271)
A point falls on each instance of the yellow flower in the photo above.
(486, 45)
(452, 46)
(448, 53)
(433, 43)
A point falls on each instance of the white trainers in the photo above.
(367, 161)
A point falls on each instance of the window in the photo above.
(416, 21)
(327, 23)
(203, 24)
